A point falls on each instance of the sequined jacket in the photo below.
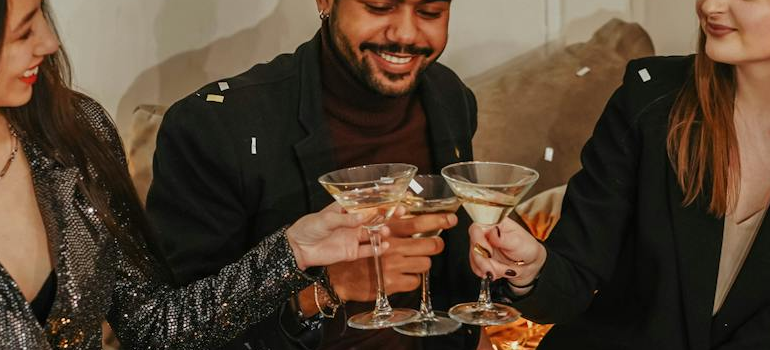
(96, 280)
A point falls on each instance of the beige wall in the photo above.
(127, 53)
(672, 24)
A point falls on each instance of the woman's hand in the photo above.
(330, 236)
(507, 250)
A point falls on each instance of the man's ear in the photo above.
(324, 5)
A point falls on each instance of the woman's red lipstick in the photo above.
(31, 78)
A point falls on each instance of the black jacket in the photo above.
(226, 174)
(625, 234)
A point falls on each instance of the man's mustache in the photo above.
(397, 48)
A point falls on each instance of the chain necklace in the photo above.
(14, 151)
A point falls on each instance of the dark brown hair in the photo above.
(54, 119)
(702, 144)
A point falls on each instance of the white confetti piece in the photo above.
(415, 187)
(223, 85)
(583, 71)
(253, 145)
(215, 98)
(645, 75)
(548, 154)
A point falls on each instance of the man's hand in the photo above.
(402, 263)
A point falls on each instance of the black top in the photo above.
(629, 267)
(41, 305)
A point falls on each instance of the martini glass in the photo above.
(429, 194)
(373, 191)
(489, 192)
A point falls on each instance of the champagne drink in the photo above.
(429, 194)
(489, 192)
(374, 191)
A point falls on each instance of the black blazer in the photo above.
(228, 174)
(628, 266)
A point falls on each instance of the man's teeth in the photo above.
(30, 72)
(394, 59)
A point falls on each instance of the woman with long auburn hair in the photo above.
(73, 235)
(663, 241)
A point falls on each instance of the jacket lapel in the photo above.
(747, 295)
(698, 239)
(444, 143)
(314, 152)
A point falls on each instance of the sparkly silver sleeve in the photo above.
(147, 314)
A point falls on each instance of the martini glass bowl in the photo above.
(373, 191)
(429, 194)
(488, 192)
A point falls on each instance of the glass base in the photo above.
(471, 313)
(397, 317)
(426, 327)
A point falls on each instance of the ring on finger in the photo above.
(517, 262)
(481, 251)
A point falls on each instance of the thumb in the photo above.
(508, 235)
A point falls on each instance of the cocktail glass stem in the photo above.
(382, 306)
(426, 308)
(485, 297)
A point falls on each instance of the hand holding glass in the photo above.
(373, 191)
(489, 192)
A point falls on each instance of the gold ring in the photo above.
(481, 251)
(519, 262)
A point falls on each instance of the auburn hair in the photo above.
(702, 144)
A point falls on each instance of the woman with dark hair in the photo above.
(663, 241)
(73, 235)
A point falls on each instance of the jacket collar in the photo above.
(314, 152)
(444, 141)
(698, 240)
(55, 191)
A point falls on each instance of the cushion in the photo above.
(541, 212)
(538, 101)
(141, 146)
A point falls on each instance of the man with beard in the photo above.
(241, 157)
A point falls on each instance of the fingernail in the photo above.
(510, 273)
(498, 232)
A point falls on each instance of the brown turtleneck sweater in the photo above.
(369, 128)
